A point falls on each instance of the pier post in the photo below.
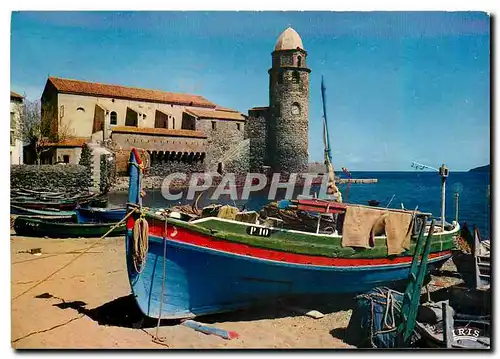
(443, 171)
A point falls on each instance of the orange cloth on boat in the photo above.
(397, 227)
(358, 224)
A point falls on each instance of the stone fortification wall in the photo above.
(55, 178)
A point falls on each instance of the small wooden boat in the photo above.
(100, 215)
(25, 226)
(35, 212)
(100, 202)
(463, 320)
(60, 204)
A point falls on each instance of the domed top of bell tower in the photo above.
(289, 40)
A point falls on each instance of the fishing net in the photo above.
(375, 319)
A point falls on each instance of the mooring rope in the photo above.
(141, 243)
(78, 256)
(157, 339)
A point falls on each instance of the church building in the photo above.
(189, 129)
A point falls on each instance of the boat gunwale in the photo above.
(195, 222)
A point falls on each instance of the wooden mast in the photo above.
(332, 189)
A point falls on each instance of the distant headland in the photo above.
(485, 168)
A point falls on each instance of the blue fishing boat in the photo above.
(208, 264)
(100, 215)
(183, 269)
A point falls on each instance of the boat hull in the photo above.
(18, 210)
(30, 227)
(98, 215)
(203, 278)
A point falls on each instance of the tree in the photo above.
(39, 128)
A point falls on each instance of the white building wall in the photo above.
(79, 123)
(16, 144)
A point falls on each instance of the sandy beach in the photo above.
(89, 305)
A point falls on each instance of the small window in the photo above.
(238, 126)
(66, 158)
(113, 118)
(299, 61)
(81, 109)
(173, 122)
(296, 76)
(214, 125)
(144, 116)
(12, 137)
(61, 111)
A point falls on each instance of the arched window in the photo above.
(295, 109)
(80, 109)
(296, 76)
(299, 61)
(113, 118)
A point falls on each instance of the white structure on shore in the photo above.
(16, 143)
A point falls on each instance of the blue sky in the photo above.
(401, 86)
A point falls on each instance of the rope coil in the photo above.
(141, 244)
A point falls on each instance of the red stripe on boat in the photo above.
(183, 235)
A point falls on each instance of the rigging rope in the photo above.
(157, 338)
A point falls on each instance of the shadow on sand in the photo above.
(124, 312)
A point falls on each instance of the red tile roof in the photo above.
(16, 95)
(158, 131)
(69, 142)
(222, 115)
(218, 108)
(131, 93)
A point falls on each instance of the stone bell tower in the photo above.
(288, 126)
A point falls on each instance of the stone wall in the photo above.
(221, 139)
(289, 121)
(54, 178)
(256, 132)
(237, 159)
(165, 168)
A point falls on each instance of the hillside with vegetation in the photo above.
(485, 168)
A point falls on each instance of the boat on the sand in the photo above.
(100, 215)
(213, 264)
(33, 227)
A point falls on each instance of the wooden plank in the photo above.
(447, 326)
